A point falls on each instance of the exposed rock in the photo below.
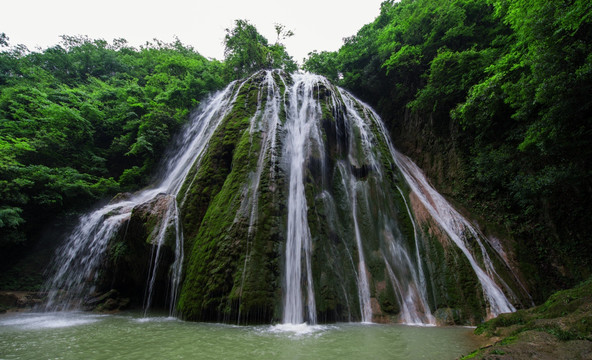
(10, 300)
(378, 316)
(127, 264)
(107, 302)
(447, 316)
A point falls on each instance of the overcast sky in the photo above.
(317, 24)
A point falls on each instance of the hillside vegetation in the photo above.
(86, 119)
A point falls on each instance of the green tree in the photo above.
(3, 40)
(324, 63)
(85, 119)
(246, 51)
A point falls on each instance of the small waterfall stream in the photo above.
(352, 246)
(455, 225)
(363, 287)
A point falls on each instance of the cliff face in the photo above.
(546, 243)
(367, 245)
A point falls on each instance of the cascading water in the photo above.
(77, 261)
(362, 276)
(304, 196)
(456, 226)
(303, 116)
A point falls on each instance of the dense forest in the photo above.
(490, 97)
(86, 119)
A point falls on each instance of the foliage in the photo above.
(324, 63)
(86, 118)
(246, 51)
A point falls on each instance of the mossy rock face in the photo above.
(233, 209)
(129, 254)
(232, 271)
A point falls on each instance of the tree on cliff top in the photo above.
(246, 51)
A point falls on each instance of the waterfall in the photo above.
(362, 277)
(318, 209)
(303, 116)
(363, 287)
(455, 225)
(77, 260)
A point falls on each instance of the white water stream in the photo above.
(303, 116)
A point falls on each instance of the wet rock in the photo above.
(121, 197)
(101, 298)
(107, 302)
(360, 172)
(447, 316)
(8, 300)
(20, 299)
(127, 264)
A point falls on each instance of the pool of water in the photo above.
(131, 336)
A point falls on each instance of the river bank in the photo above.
(561, 328)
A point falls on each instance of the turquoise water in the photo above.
(129, 336)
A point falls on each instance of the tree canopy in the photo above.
(247, 51)
(85, 119)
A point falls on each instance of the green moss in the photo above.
(565, 315)
(334, 277)
(454, 283)
(488, 328)
(509, 340)
(229, 273)
(566, 301)
(472, 355)
(117, 251)
(388, 299)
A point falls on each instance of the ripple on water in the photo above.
(155, 319)
(133, 337)
(32, 321)
(295, 330)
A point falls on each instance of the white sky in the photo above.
(317, 24)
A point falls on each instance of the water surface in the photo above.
(130, 336)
